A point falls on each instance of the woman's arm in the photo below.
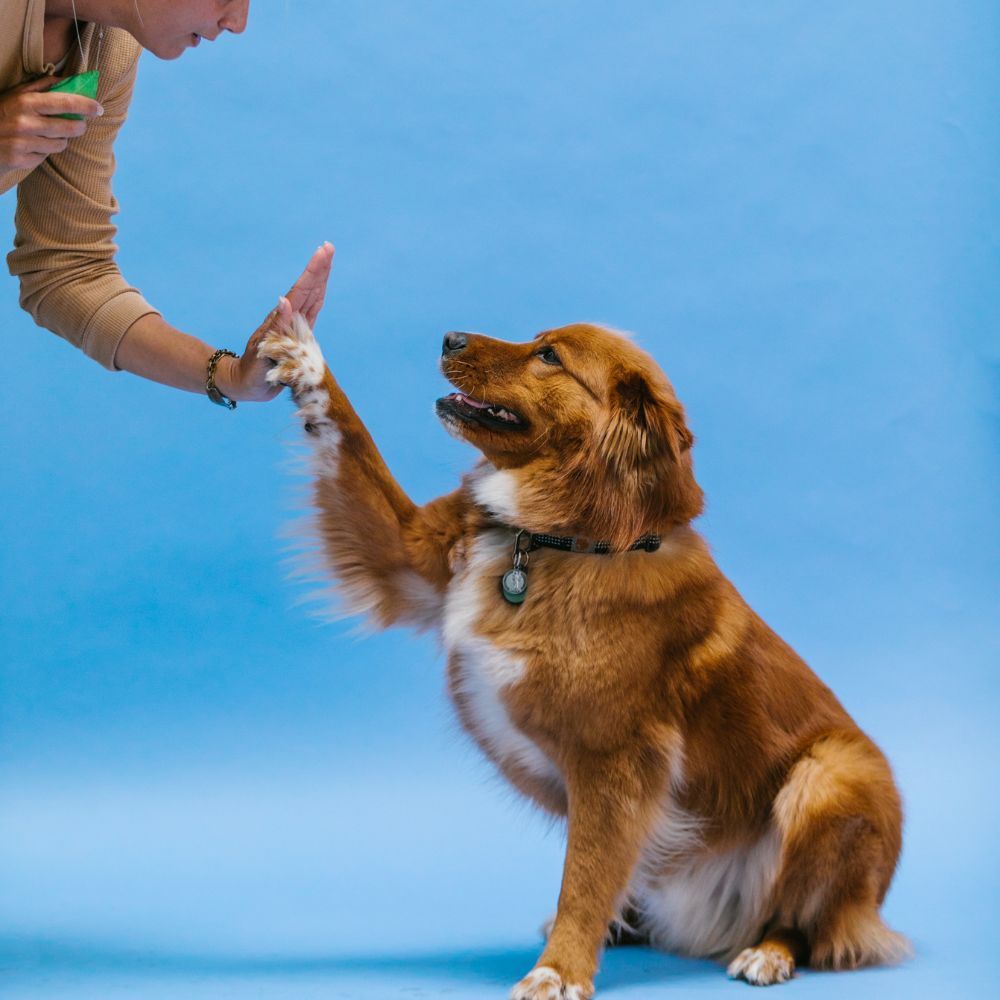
(155, 350)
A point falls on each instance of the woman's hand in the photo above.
(245, 378)
(28, 133)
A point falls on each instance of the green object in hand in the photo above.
(84, 84)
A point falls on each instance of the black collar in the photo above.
(514, 583)
(527, 541)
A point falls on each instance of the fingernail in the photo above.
(100, 110)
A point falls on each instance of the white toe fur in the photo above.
(295, 355)
(298, 362)
(543, 983)
(761, 967)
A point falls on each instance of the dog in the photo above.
(719, 800)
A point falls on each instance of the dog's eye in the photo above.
(549, 356)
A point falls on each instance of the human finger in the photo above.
(40, 145)
(31, 86)
(308, 294)
(27, 152)
(318, 268)
(56, 128)
(279, 316)
(58, 103)
(25, 161)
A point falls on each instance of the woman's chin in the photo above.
(172, 49)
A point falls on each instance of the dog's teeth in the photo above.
(497, 412)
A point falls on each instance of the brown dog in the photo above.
(716, 792)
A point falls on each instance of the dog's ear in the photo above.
(643, 478)
(645, 423)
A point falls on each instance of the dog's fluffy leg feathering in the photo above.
(389, 557)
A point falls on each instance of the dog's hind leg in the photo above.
(830, 888)
(390, 557)
(839, 817)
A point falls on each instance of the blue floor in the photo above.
(81, 972)
(423, 883)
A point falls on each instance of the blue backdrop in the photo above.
(794, 206)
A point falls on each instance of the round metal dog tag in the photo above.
(514, 585)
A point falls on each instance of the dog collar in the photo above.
(514, 583)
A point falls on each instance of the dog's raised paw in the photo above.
(294, 355)
(543, 983)
(761, 966)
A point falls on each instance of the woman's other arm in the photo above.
(64, 247)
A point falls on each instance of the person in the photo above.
(64, 250)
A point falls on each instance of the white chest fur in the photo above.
(481, 670)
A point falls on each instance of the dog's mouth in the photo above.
(475, 411)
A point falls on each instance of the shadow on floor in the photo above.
(25, 956)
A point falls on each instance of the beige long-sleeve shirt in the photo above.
(64, 248)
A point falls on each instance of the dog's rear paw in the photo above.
(762, 966)
(543, 983)
(294, 356)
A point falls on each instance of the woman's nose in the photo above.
(236, 19)
(454, 342)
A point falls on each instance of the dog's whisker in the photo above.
(540, 438)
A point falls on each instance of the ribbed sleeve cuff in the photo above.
(109, 323)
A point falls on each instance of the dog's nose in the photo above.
(454, 342)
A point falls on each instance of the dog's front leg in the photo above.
(609, 813)
(389, 556)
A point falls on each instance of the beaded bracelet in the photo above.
(215, 394)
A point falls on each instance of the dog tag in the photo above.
(514, 585)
